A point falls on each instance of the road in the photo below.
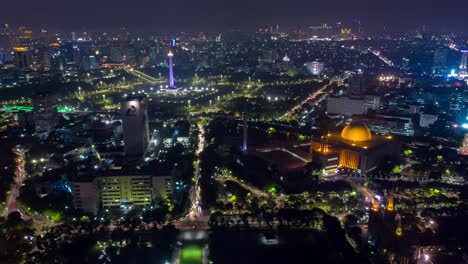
(308, 99)
(20, 175)
(315, 99)
(360, 188)
(381, 57)
(255, 191)
(195, 217)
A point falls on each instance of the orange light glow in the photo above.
(19, 49)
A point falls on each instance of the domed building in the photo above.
(356, 133)
(355, 148)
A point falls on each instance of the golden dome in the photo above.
(356, 132)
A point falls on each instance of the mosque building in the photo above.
(355, 148)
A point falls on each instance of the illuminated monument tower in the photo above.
(171, 71)
(171, 88)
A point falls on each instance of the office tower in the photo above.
(153, 54)
(22, 57)
(459, 104)
(171, 70)
(356, 27)
(116, 54)
(356, 85)
(89, 63)
(45, 111)
(44, 58)
(459, 98)
(463, 62)
(440, 61)
(134, 110)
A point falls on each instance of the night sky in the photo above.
(195, 15)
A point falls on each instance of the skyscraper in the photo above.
(22, 57)
(440, 61)
(463, 62)
(134, 110)
(171, 71)
(116, 54)
(45, 111)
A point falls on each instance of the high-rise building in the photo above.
(440, 61)
(45, 111)
(134, 110)
(463, 62)
(171, 70)
(459, 104)
(459, 98)
(153, 54)
(116, 54)
(356, 85)
(356, 27)
(22, 57)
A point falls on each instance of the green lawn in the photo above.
(191, 254)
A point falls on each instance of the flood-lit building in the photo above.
(125, 190)
(355, 147)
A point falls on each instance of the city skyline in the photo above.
(209, 15)
(146, 132)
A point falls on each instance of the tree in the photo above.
(14, 220)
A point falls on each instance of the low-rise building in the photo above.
(385, 124)
(352, 105)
